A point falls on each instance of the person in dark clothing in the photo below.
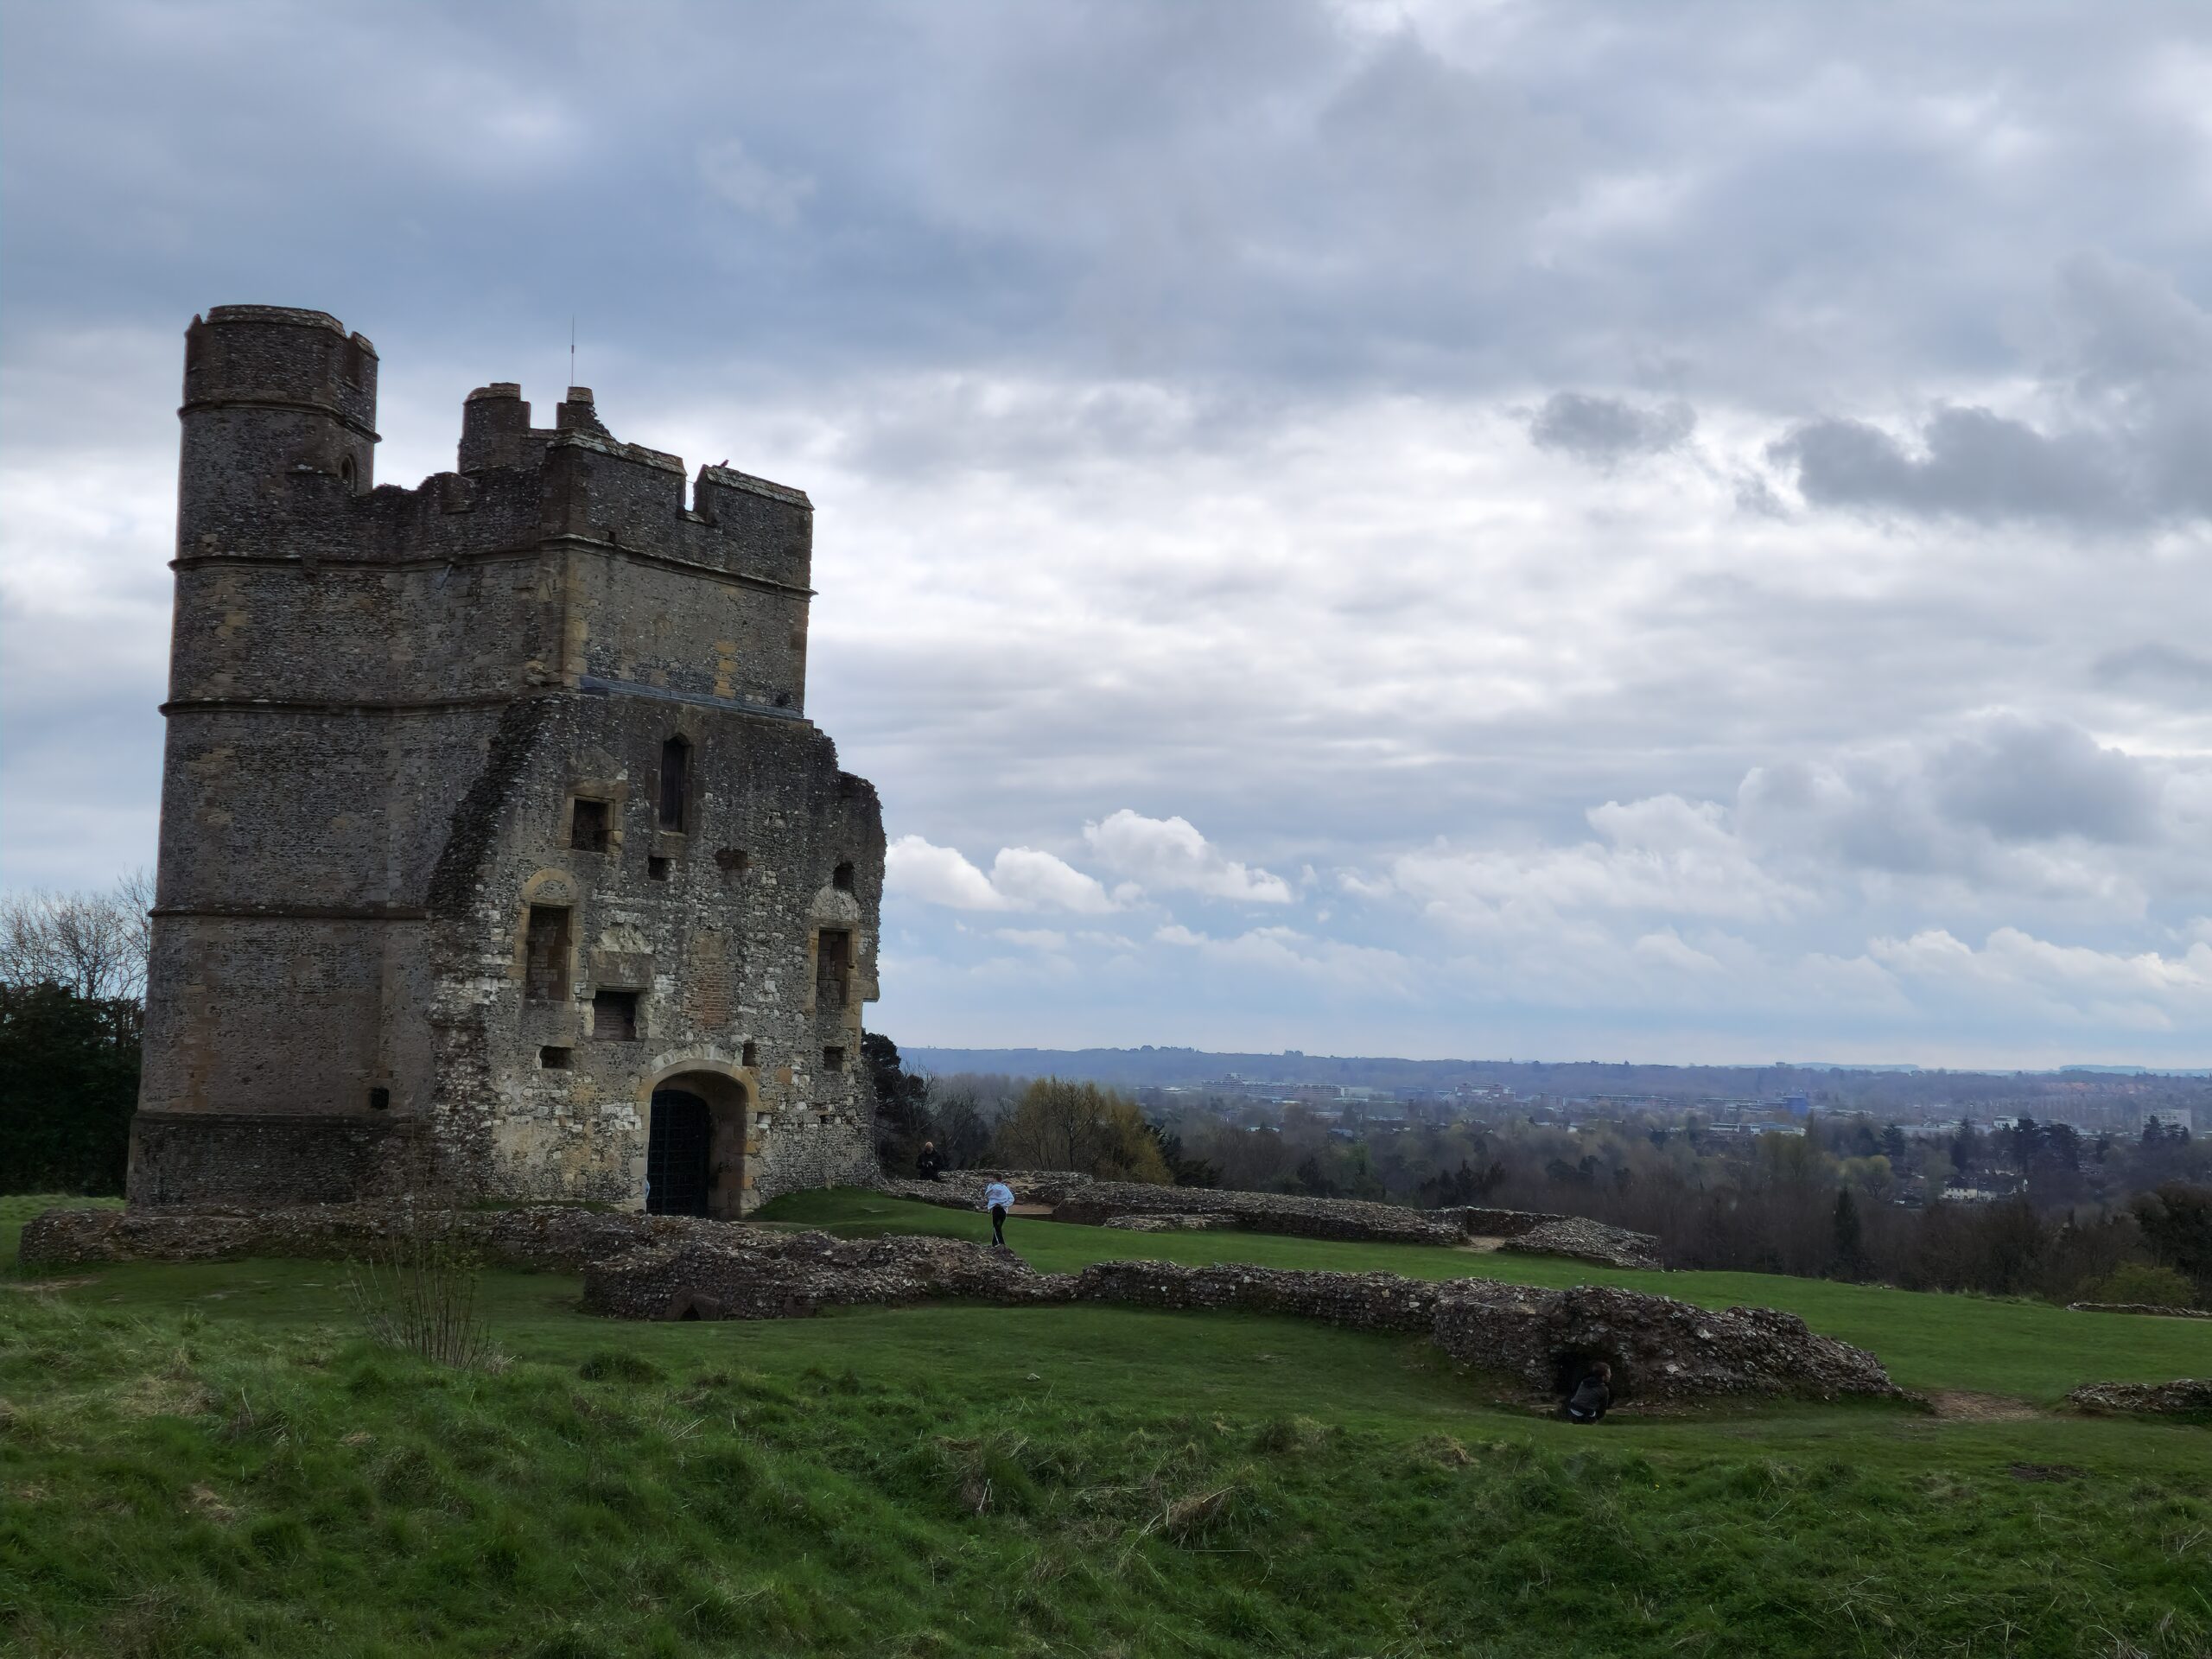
(927, 1164)
(1592, 1395)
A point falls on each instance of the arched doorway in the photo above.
(694, 1147)
(677, 1174)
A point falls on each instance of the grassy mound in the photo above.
(209, 1458)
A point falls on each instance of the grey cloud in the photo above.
(2024, 780)
(1605, 431)
(1977, 464)
(2132, 386)
(2154, 664)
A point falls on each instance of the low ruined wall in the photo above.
(2187, 1396)
(1659, 1348)
(2151, 1308)
(962, 1189)
(247, 1158)
(557, 1238)
(749, 1273)
(1124, 1204)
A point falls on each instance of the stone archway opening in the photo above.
(694, 1147)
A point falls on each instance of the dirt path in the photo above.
(1959, 1406)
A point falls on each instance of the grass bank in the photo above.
(208, 1458)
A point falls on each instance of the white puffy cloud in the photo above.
(1021, 878)
(914, 869)
(1036, 881)
(1169, 855)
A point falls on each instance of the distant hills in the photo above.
(1185, 1068)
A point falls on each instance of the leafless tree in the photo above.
(95, 944)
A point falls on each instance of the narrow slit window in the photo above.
(545, 955)
(588, 826)
(833, 969)
(749, 1055)
(675, 784)
(614, 1017)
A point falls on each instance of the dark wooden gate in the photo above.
(675, 1154)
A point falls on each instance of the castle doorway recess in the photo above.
(694, 1147)
(676, 1176)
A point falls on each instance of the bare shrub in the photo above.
(418, 1293)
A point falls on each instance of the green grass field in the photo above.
(209, 1458)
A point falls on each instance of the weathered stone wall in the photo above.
(384, 705)
(250, 1157)
(1659, 1349)
(2184, 1397)
(1131, 1205)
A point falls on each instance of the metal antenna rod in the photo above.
(572, 349)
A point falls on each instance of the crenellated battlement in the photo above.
(698, 589)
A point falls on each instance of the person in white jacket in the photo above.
(998, 1198)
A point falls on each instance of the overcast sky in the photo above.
(1561, 531)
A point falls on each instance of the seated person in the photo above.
(1592, 1395)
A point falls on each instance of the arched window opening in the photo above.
(346, 473)
(675, 783)
(841, 878)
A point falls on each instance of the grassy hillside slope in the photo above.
(210, 1460)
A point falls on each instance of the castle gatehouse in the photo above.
(498, 858)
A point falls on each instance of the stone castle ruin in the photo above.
(498, 858)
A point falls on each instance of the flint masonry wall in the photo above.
(386, 705)
(1137, 1206)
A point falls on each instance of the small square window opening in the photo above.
(557, 1059)
(587, 823)
(657, 869)
(749, 1055)
(614, 1017)
(833, 1059)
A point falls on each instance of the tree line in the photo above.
(73, 981)
(2075, 1217)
